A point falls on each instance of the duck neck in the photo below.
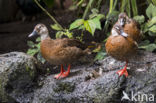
(44, 36)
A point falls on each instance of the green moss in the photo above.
(3, 96)
(31, 72)
(65, 87)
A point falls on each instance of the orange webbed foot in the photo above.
(123, 71)
(58, 75)
(65, 74)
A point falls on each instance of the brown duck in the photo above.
(120, 46)
(130, 26)
(59, 51)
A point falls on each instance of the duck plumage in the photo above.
(59, 51)
(121, 46)
(130, 26)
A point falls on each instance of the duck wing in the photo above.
(66, 42)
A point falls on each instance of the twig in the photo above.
(48, 14)
(87, 9)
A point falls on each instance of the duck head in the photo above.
(122, 19)
(40, 29)
(118, 30)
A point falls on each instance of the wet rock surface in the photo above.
(17, 72)
(88, 84)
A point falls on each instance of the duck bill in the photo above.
(124, 34)
(32, 34)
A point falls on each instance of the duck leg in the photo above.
(58, 75)
(123, 71)
(65, 74)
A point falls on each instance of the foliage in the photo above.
(148, 28)
(34, 49)
(91, 20)
(101, 53)
(90, 25)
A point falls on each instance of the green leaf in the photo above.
(76, 24)
(81, 27)
(150, 11)
(95, 11)
(40, 58)
(153, 29)
(38, 39)
(139, 19)
(55, 27)
(152, 22)
(100, 55)
(31, 44)
(143, 43)
(150, 47)
(90, 26)
(32, 52)
(92, 16)
(97, 23)
(38, 46)
(100, 16)
(59, 34)
(69, 34)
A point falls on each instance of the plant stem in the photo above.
(54, 20)
(98, 4)
(110, 6)
(87, 9)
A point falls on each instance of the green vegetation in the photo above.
(91, 19)
(34, 49)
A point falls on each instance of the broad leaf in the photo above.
(97, 23)
(76, 24)
(100, 55)
(152, 22)
(150, 11)
(69, 34)
(95, 11)
(38, 46)
(139, 19)
(100, 16)
(31, 44)
(145, 42)
(55, 27)
(150, 47)
(59, 34)
(32, 52)
(40, 58)
(38, 39)
(90, 26)
(153, 29)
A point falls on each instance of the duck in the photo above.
(121, 46)
(63, 51)
(130, 26)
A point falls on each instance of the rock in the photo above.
(84, 85)
(17, 72)
(107, 88)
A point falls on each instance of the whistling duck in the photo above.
(120, 46)
(59, 51)
(130, 26)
